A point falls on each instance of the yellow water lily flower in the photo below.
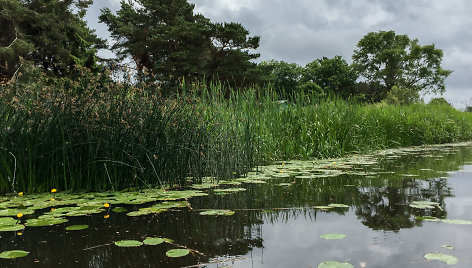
(19, 233)
(53, 190)
(106, 205)
(106, 216)
(19, 215)
(20, 193)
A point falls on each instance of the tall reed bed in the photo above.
(94, 134)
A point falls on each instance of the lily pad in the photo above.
(230, 182)
(323, 207)
(229, 190)
(338, 206)
(128, 243)
(449, 259)
(14, 212)
(152, 241)
(448, 247)
(7, 221)
(175, 195)
(423, 204)
(45, 222)
(217, 212)
(250, 181)
(460, 222)
(176, 253)
(204, 186)
(77, 227)
(168, 205)
(138, 213)
(284, 184)
(333, 236)
(13, 254)
(427, 218)
(335, 264)
(12, 228)
(119, 209)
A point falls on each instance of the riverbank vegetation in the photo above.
(193, 102)
(95, 134)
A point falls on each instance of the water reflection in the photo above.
(277, 226)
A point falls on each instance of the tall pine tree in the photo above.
(168, 42)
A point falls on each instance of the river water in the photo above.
(279, 223)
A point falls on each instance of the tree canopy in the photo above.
(167, 40)
(389, 60)
(334, 75)
(50, 34)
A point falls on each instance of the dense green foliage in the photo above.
(168, 42)
(386, 59)
(197, 104)
(96, 134)
(47, 34)
(322, 77)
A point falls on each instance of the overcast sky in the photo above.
(301, 31)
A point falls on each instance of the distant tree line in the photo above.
(169, 44)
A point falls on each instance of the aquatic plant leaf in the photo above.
(119, 209)
(65, 209)
(45, 222)
(448, 247)
(14, 212)
(338, 206)
(139, 213)
(333, 236)
(12, 228)
(84, 212)
(77, 227)
(168, 205)
(175, 195)
(335, 264)
(450, 260)
(176, 253)
(152, 241)
(128, 243)
(139, 201)
(204, 186)
(229, 190)
(304, 177)
(7, 221)
(322, 207)
(250, 181)
(427, 218)
(230, 183)
(461, 222)
(13, 254)
(284, 184)
(423, 204)
(217, 212)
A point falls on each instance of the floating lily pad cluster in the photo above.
(153, 241)
(217, 212)
(450, 221)
(331, 206)
(424, 204)
(448, 259)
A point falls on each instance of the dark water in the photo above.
(277, 227)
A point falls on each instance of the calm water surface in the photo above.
(277, 226)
